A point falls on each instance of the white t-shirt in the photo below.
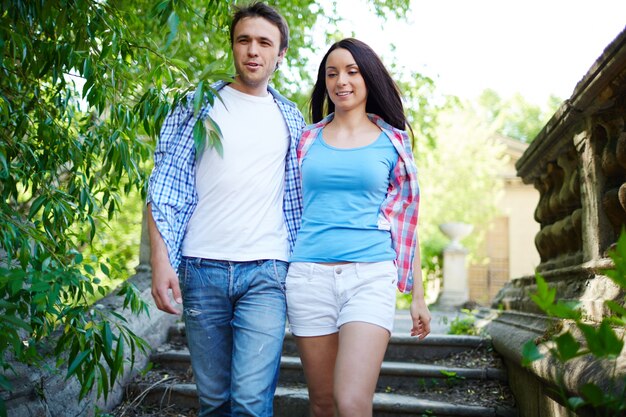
(239, 216)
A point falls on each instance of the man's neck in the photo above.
(259, 91)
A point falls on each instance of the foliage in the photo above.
(464, 323)
(452, 378)
(515, 117)
(84, 88)
(603, 342)
(75, 111)
(117, 241)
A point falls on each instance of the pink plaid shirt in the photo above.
(400, 209)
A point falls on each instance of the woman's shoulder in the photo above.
(392, 132)
(318, 125)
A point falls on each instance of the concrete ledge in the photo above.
(534, 386)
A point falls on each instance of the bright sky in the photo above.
(534, 47)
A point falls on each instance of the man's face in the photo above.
(256, 43)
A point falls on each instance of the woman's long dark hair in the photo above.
(383, 95)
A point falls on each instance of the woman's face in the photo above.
(344, 83)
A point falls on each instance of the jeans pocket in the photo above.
(183, 273)
(280, 272)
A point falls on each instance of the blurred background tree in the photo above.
(515, 117)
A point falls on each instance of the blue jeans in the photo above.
(235, 322)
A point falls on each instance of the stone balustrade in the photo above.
(577, 163)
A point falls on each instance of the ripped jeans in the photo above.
(234, 316)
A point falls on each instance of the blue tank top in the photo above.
(343, 190)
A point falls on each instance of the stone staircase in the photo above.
(443, 376)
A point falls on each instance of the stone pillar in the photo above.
(455, 286)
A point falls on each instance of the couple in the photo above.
(316, 221)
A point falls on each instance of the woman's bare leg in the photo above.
(362, 347)
(318, 355)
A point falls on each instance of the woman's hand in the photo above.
(421, 317)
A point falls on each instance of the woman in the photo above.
(358, 239)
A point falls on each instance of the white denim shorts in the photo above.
(321, 298)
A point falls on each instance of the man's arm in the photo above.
(164, 277)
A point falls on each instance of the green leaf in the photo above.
(5, 384)
(87, 383)
(618, 255)
(104, 378)
(198, 98)
(16, 322)
(107, 338)
(172, 23)
(610, 339)
(616, 308)
(4, 173)
(215, 141)
(76, 362)
(564, 310)
(544, 297)
(3, 408)
(567, 347)
(34, 208)
(530, 353)
(575, 402)
(118, 363)
(105, 269)
(593, 394)
(602, 341)
(199, 138)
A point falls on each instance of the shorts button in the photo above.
(338, 270)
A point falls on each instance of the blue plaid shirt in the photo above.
(172, 184)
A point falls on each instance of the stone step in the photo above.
(293, 402)
(400, 375)
(418, 378)
(434, 347)
(411, 349)
(405, 376)
(401, 348)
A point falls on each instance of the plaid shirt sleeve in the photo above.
(292, 201)
(401, 208)
(171, 188)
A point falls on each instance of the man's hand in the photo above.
(164, 279)
(421, 317)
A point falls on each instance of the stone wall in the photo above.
(578, 165)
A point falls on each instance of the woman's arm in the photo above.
(419, 310)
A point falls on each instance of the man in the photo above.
(227, 223)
